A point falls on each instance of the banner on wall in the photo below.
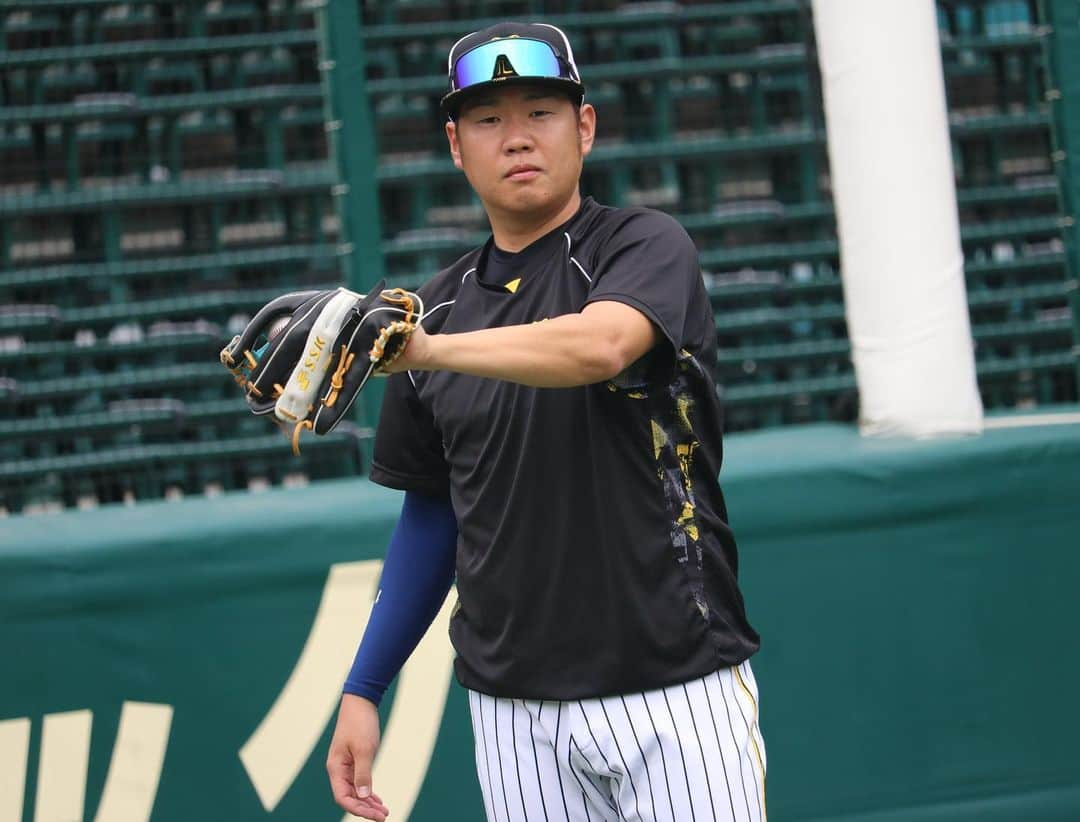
(279, 747)
(174, 663)
(179, 662)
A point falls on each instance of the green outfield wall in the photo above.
(917, 600)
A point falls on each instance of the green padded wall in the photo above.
(917, 602)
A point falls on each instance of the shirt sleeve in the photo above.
(408, 445)
(650, 263)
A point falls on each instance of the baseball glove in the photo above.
(282, 360)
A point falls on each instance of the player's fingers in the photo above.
(371, 809)
(362, 756)
(339, 769)
(358, 808)
(364, 810)
(345, 796)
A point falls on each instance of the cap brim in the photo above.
(453, 102)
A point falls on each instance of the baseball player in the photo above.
(555, 425)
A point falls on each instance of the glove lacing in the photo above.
(300, 426)
(337, 378)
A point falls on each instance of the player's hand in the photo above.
(416, 355)
(352, 750)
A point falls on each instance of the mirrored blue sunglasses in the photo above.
(509, 57)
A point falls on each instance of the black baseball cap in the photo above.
(511, 53)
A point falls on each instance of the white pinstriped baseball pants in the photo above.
(685, 753)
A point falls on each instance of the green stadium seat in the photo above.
(171, 308)
(734, 359)
(161, 413)
(28, 319)
(124, 106)
(763, 320)
(25, 22)
(54, 74)
(785, 402)
(771, 393)
(30, 360)
(279, 200)
(190, 376)
(130, 52)
(751, 256)
(140, 470)
(769, 363)
(235, 185)
(289, 257)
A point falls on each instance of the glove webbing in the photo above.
(395, 296)
(239, 374)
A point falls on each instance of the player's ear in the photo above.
(586, 127)
(455, 147)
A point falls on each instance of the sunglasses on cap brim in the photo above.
(510, 57)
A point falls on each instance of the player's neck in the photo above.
(513, 232)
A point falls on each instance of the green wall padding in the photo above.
(917, 602)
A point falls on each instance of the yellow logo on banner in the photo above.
(279, 747)
(285, 739)
(134, 771)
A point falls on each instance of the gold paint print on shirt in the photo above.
(674, 444)
(686, 521)
(684, 403)
(659, 440)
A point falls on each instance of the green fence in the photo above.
(917, 603)
(1064, 64)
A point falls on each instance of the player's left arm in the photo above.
(565, 351)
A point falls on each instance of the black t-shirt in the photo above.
(504, 267)
(594, 555)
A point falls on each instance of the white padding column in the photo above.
(895, 197)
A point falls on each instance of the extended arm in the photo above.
(416, 575)
(573, 349)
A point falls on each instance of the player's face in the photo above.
(522, 149)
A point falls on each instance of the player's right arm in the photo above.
(416, 576)
(645, 290)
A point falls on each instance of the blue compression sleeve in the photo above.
(416, 576)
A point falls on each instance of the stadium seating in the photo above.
(164, 169)
(163, 172)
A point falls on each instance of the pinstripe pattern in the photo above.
(660, 749)
(499, 755)
(691, 752)
(536, 764)
(483, 761)
(716, 733)
(677, 735)
(641, 752)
